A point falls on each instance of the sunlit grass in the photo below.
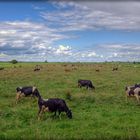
(99, 114)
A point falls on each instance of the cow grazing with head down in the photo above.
(97, 70)
(53, 105)
(85, 83)
(115, 69)
(26, 91)
(37, 68)
(133, 91)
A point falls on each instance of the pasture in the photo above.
(100, 114)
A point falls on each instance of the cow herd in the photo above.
(49, 105)
(58, 105)
(52, 104)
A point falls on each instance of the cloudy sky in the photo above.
(70, 31)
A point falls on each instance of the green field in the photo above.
(100, 114)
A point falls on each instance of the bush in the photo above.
(46, 61)
(68, 96)
(13, 61)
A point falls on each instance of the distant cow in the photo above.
(67, 70)
(97, 70)
(53, 105)
(85, 83)
(133, 91)
(115, 69)
(37, 68)
(26, 91)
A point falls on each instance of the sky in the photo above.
(70, 31)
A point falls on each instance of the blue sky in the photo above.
(70, 31)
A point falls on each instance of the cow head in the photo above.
(93, 87)
(18, 89)
(137, 85)
(69, 114)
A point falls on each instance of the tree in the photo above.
(46, 61)
(13, 61)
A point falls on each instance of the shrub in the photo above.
(46, 61)
(13, 61)
(68, 96)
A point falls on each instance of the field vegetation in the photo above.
(100, 114)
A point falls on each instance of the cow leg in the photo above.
(17, 97)
(126, 98)
(137, 97)
(59, 113)
(55, 113)
(40, 112)
(79, 85)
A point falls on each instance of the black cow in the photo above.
(53, 105)
(85, 83)
(26, 91)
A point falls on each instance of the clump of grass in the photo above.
(68, 96)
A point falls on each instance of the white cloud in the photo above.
(91, 54)
(115, 54)
(2, 55)
(27, 38)
(66, 50)
(94, 15)
(120, 52)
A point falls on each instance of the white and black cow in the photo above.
(53, 105)
(26, 91)
(85, 83)
(133, 91)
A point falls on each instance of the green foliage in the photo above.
(13, 61)
(97, 114)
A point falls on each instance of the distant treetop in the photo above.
(13, 61)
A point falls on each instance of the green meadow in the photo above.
(100, 114)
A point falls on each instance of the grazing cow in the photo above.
(67, 70)
(85, 83)
(53, 105)
(97, 70)
(26, 91)
(74, 68)
(37, 68)
(1, 68)
(115, 69)
(133, 91)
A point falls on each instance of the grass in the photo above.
(100, 114)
